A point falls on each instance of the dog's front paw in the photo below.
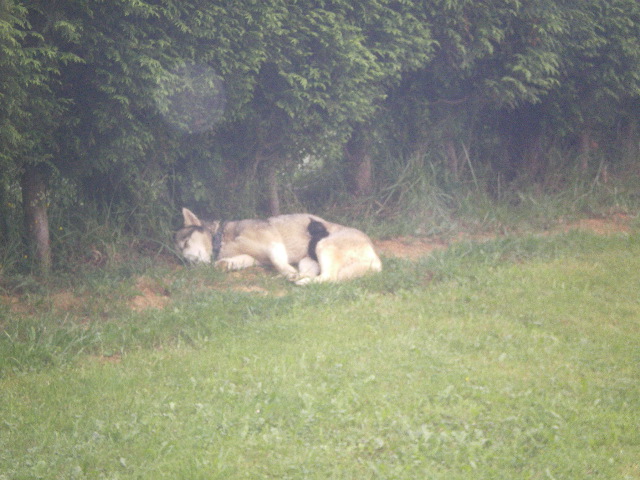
(236, 263)
(303, 281)
(225, 265)
(293, 277)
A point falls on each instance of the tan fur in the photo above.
(282, 242)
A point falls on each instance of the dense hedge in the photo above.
(250, 107)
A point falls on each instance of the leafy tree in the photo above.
(314, 77)
(507, 73)
(127, 99)
(601, 72)
(14, 72)
(401, 38)
(93, 80)
(598, 50)
(32, 111)
(326, 71)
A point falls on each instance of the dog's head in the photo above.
(194, 240)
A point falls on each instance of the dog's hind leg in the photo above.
(309, 269)
(326, 268)
(337, 264)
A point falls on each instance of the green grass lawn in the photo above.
(512, 359)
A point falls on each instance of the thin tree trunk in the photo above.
(533, 157)
(452, 158)
(4, 219)
(272, 190)
(34, 203)
(630, 143)
(585, 150)
(360, 165)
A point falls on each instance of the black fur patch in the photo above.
(217, 241)
(317, 231)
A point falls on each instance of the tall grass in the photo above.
(419, 196)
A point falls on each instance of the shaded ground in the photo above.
(148, 293)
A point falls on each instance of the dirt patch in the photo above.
(66, 301)
(617, 223)
(408, 247)
(152, 295)
(414, 248)
(246, 281)
(62, 301)
(251, 289)
(14, 304)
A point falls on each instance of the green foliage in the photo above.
(602, 66)
(29, 106)
(142, 105)
(13, 66)
(326, 67)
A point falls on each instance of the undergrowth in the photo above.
(423, 201)
(413, 197)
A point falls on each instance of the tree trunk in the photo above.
(533, 158)
(359, 165)
(272, 190)
(452, 158)
(4, 217)
(630, 143)
(34, 204)
(584, 150)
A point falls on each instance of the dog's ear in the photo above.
(190, 219)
